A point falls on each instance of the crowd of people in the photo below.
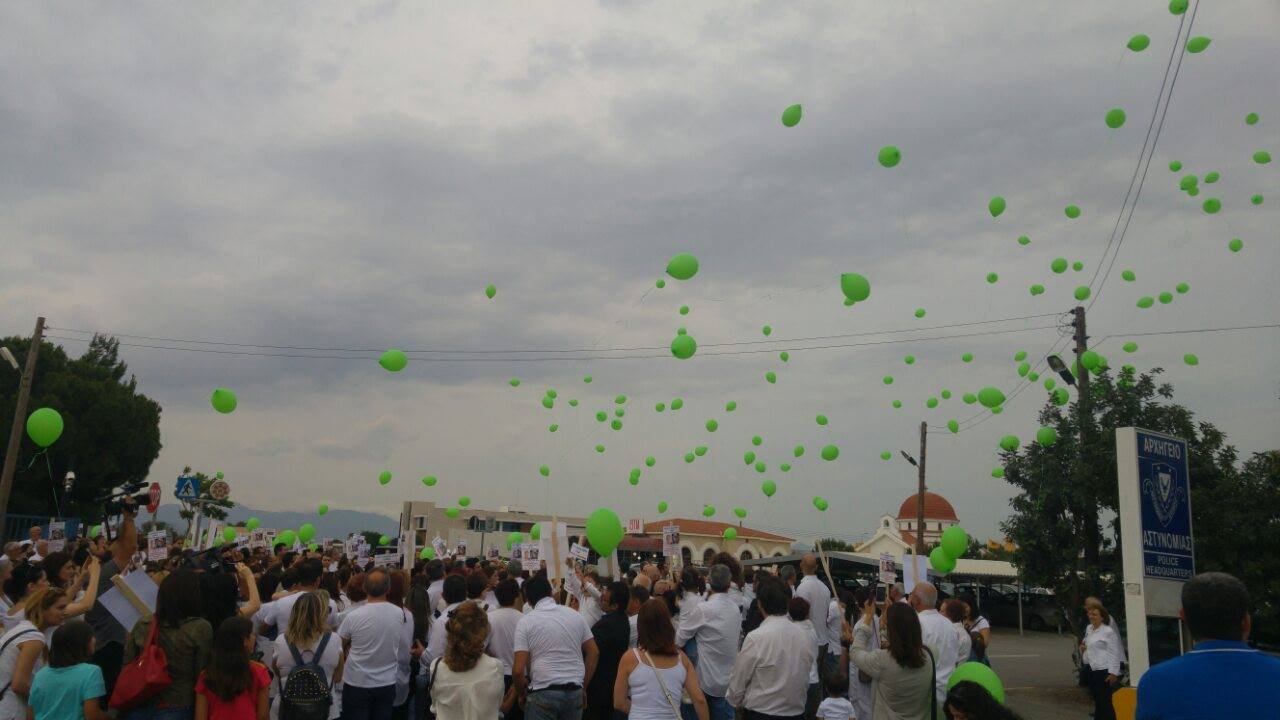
(252, 634)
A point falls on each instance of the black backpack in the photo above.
(305, 694)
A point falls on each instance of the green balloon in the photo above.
(1130, 347)
(690, 457)
(940, 561)
(650, 461)
(599, 448)
(684, 309)
(748, 457)
(897, 404)
(1072, 211)
(997, 410)
(1128, 276)
(1211, 178)
(889, 156)
(830, 452)
(683, 347)
(660, 283)
(535, 531)
(553, 427)
(682, 267)
(766, 330)
(223, 400)
(820, 503)
(730, 533)
(490, 290)
(969, 398)
(601, 416)
(756, 440)
(798, 451)
(1139, 42)
(731, 406)
(700, 450)
(996, 206)
(1197, 44)
(888, 380)
(992, 278)
(544, 471)
(791, 116)
(548, 402)
(662, 506)
(708, 510)
(253, 523)
(1020, 355)
(931, 403)
(1165, 297)
(1146, 302)
(980, 674)
(1256, 199)
(990, 397)
(1212, 206)
(1061, 397)
(785, 467)
(1251, 119)
(885, 455)
(323, 509)
(429, 480)
(740, 512)
(946, 394)
(616, 424)
(1262, 157)
(910, 359)
(855, 287)
(586, 379)
(919, 312)
(1024, 240)
(784, 356)
(768, 487)
(384, 540)
(1235, 245)
(229, 535)
(427, 553)
(306, 532)
(1023, 369)
(1046, 436)
(1182, 288)
(513, 537)
(1115, 118)
(384, 477)
(954, 541)
(1175, 166)
(677, 404)
(953, 426)
(288, 537)
(1177, 7)
(771, 377)
(452, 512)
(393, 360)
(95, 531)
(967, 357)
(1059, 265)
(760, 466)
(44, 426)
(1190, 359)
(1009, 443)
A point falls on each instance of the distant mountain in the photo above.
(334, 524)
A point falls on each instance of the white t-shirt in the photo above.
(328, 661)
(553, 635)
(634, 621)
(502, 635)
(836, 708)
(376, 632)
(277, 612)
(12, 707)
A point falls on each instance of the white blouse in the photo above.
(1102, 649)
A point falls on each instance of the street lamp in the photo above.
(908, 458)
(8, 357)
(919, 495)
(1056, 364)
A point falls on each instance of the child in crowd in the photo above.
(69, 687)
(836, 705)
(233, 687)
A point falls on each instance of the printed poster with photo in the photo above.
(157, 546)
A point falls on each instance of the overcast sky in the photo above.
(342, 175)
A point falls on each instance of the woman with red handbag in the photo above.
(185, 639)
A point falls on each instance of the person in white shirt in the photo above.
(1101, 650)
(585, 586)
(555, 656)
(1092, 602)
(955, 611)
(715, 624)
(372, 641)
(435, 574)
(861, 691)
(453, 595)
(639, 595)
(835, 706)
(467, 684)
(502, 627)
(937, 633)
(815, 592)
(771, 673)
(277, 612)
(798, 611)
(306, 632)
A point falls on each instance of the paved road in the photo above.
(1038, 675)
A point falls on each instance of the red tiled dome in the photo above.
(936, 507)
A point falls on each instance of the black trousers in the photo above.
(1101, 691)
(109, 658)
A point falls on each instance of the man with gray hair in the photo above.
(376, 640)
(938, 634)
(716, 623)
(818, 595)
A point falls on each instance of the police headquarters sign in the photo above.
(1164, 488)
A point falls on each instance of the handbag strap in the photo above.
(662, 683)
(5, 690)
(933, 684)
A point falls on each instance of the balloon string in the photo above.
(41, 451)
(49, 467)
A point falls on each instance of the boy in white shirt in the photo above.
(836, 705)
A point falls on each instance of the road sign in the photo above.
(153, 503)
(220, 490)
(188, 488)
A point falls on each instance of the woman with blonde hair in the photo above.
(22, 649)
(466, 684)
(307, 640)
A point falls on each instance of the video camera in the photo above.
(125, 497)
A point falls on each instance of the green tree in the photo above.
(371, 537)
(112, 432)
(1062, 489)
(833, 545)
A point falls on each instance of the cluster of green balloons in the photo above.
(953, 543)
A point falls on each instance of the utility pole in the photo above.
(924, 429)
(19, 416)
(1085, 410)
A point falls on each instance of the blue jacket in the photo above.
(1215, 679)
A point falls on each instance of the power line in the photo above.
(1177, 50)
(569, 358)
(516, 351)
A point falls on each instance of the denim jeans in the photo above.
(718, 709)
(420, 703)
(552, 705)
(367, 703)
(150, 712)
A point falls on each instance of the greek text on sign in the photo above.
(1164, 490)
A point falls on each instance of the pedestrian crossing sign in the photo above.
(188, 488)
